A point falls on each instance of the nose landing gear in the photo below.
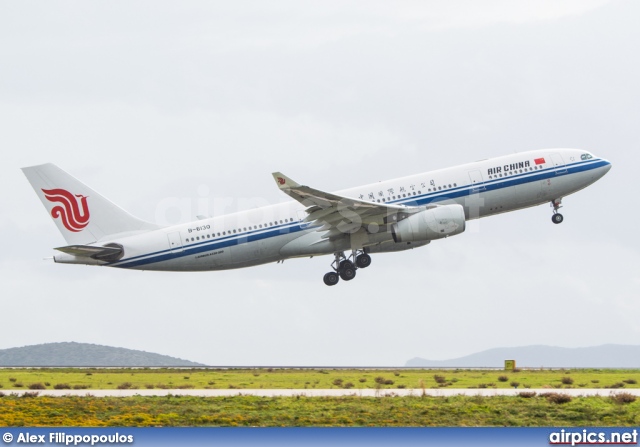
(557, 218)
(345, 268)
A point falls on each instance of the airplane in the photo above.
(383, 217)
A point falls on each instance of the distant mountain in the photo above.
(85, 354)
(605, 356)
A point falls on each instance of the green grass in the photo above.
(318, 411)
(95, 378)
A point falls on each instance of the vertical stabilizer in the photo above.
(82, 215)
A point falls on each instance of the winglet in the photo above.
(283, 181)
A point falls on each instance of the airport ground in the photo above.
(227, 397)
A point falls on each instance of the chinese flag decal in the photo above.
(539, 161)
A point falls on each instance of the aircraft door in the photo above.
(477, 182)
(558, 163)
(175, 242)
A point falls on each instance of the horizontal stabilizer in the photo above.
(103, 253)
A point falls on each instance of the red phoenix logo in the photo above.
(73, 217)
(281, 180)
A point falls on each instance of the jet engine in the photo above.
(435, 223)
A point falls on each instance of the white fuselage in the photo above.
(278, 232)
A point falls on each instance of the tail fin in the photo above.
(82, 215)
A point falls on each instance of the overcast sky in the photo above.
(173, 109)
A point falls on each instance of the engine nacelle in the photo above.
(428, 225)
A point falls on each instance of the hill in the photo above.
(85, 354)
(605, 356)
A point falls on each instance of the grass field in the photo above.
(21, 406)
(95, 378)
(317, 411)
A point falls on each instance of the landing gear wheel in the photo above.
(347, 273)
(331, 279)
(557, 218)
(345, 264)
(363, 261)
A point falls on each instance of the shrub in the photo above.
(61, 386)
(1, 394)
(482, 385)
(186, 377)
(80, 387)
(12, 379)
(149, 386)
(211, 382)
(18, 384)
(630, 381)
(186, 386)
(30, 394)
(623, 398)
(47, 384)
(567, 380)
(380, 380)
(402, 386)
(388, 382)
(439, 378)
(125, 386)
(503, 379)
(616, 385)
(363, 380)
(527, 394)
(396, 374)
(88, 374)
(37, 386)
(162, 386)
(516, 370)
(337, 382)
(348, 385)
(558, 398)
(255, 374)
(515, 384)
(595, 381)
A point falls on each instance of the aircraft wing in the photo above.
(337, 215)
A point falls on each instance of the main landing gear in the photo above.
(345, 268)
(557, 218)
